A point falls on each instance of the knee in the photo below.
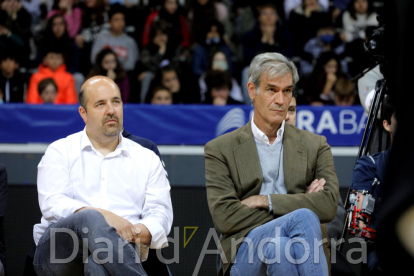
(90, 217)
(305, 214)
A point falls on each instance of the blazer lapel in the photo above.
(294, 159)
(248, 163)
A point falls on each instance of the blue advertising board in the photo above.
(175, 124)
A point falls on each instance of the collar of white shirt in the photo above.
(86, 143)
(262, 138)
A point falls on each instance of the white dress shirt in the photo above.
(262, 138)
(130, 182)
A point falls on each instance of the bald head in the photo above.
(94, 84)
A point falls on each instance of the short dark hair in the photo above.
(8, 54)
(217, 79)
(82, 99)
(116, 8)
(44, 83)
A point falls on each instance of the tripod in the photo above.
(366, 139)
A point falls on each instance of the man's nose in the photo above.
(279, 99)
(110, 110)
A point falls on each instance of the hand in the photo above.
(257, 202)
(80, 40)
(219, 101)
(331, 78)
(123, 227)
(4, 31)
(141, 76)
(316, 186)
(141, 234)
(111, 74)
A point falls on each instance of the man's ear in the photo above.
(82, 113)
(251, 88)
(386, 126)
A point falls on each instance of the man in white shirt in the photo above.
(100, 194)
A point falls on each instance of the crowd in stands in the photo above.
(180, 51)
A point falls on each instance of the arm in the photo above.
(157, 215)
(54, 184)
(324, 202)
(228, 213)
(32, 94)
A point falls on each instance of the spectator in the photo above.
(94, 21)
(218, 88)
(108, 65)
(159, 52)
(56, 33)
(8, 39)
(267, 36)
(47, 89)
(325, 40)
(170, 13)
(205, 11)
(123, 45)
(290, 5)
(357, 18)
(53, 66)
(212, 42)
(72, 15)
(304, 23)
(291, 113)
(17, 21)
(168, 77)
(161, 96)
(344, 93)
(12, 82)
(219, 62)
(324, 79)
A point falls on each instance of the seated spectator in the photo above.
(323, 80)
(304, 22)
(159, 52)
(290, 5)
(219, 62)
(123, 45)
(161, 96)
(344, 93)
(325, 40)
(108, 65)
(218, 88)
(291, 113)
(168, 77)
(71, 13)
(56, 33)
(12, 82)
(171, 13)
(205, 11)
(8, 39)
(53, 66)
(212, 42)
(17, 21)
(94, 21)
(47, 90)
(267, 36)
(357, 18)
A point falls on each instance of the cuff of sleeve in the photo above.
(159, 237)
(72, 206)
(270, 204)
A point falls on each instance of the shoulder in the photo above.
(227, 140)
(146, 143)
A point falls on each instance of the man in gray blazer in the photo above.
(271, 185)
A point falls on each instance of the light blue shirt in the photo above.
(271, 162)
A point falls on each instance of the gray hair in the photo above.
(274, 65)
